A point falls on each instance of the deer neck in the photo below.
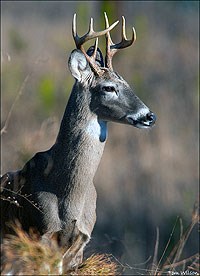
(80, 143)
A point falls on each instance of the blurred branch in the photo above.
(14, 201)
(155, 256)
(175, 264)
(19, 94)
(167, 245)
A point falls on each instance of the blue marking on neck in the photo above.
(103, 130)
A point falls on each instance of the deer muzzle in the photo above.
(142, 121)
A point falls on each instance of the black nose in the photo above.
(151, 118)
(148, 120)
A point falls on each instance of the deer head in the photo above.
(111, 98)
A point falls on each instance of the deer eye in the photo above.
(108, 88)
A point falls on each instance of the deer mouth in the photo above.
(146, 121)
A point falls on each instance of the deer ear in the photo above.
(78, 65)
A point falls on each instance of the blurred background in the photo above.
(147, 179)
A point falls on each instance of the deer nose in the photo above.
(151, 118)
(148, 120)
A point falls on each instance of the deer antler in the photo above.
(112, 48)
(79, 41)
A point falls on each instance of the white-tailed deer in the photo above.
(60, 180)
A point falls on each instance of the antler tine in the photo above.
(74, 33)
(91, 28)
(112, 48)
(108, 37)
(109, 43)
(123, 28)
(125, 42)
(95, 48)
(79, 41)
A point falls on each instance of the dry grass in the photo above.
(98, 264)
(26, 255)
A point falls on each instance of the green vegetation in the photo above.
(47, 91)
(17, 42)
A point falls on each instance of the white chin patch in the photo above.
(138, 125)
